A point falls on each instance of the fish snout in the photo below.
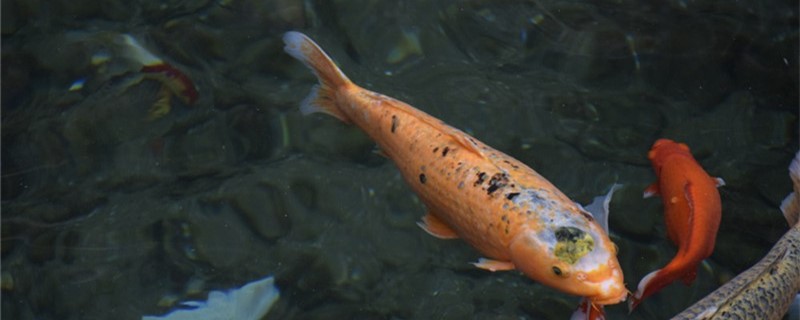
(608, 282)
(598, 279)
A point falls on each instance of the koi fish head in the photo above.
(572, 260)
(663, 148)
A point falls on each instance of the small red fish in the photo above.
(692, 212)
(178, 82)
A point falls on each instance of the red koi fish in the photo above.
(692, 212)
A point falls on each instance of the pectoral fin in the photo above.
(651, 190)
(494, 265)
(599, 207)
(435, 227)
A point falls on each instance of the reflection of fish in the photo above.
(692, 212)
(492, 201)
(766, 290)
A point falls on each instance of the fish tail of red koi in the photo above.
(658, 279)
(331, 78)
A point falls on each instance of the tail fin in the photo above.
(655, 281)
(323, 96)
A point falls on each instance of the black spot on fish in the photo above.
(422, 178)
(587, 215)
(394, 123)
(511, 164)
(569, 234)
(445, 151)
(512, 195)
(497, 181)
(435, 149)
(481, 178)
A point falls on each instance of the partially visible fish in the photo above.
(178, 82)
(692, 212)
(766, 290)
(174, 81)
(497, 204)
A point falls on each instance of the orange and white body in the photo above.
(500, 206)
(692, 212)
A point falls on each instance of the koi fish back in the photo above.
(323, 97)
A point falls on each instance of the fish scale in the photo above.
(762, 292)
(501, 207)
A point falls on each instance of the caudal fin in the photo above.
(323, 96)
(658, 279)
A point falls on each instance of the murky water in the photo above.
(111, 209)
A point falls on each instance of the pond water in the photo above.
(122, 194)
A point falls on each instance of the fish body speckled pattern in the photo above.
(766, 290)
(500, 206)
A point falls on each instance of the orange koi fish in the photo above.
(500, 206)
(692, 212)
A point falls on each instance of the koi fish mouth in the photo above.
(613, 299)
(611, 290)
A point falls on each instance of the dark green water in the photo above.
(106, 214)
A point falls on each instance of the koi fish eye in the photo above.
(561, 270)
(572, 244)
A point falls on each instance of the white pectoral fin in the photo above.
(791, 208)
(494, 265)
(599, 206)
(720, 182)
